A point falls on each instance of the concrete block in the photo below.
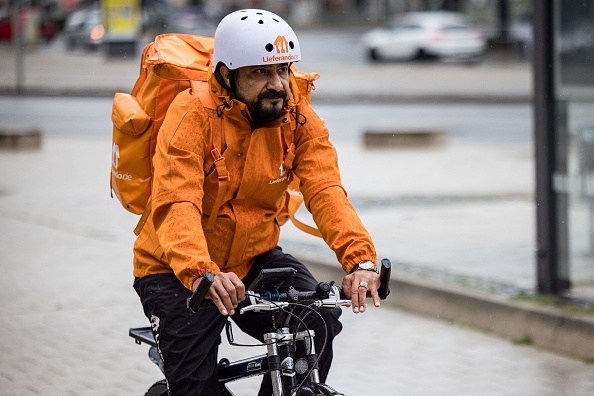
(405, 138)
(15, 139)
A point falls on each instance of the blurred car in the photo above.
(5, 29)
(419, 35)
(83, 29)
(46, 26)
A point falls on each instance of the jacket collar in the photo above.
(234, 108)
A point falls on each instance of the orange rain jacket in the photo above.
(185, 186)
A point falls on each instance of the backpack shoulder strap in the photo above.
(200, 88)
(215, 148)
(217, 144)
(294, 198)
(144, 217)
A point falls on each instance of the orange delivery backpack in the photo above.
(172, 63)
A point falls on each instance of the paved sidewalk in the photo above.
(68, 304)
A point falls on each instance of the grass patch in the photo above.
(524, 340)
(557, 302)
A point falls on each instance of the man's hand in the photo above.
(351, 285)
(226, 292)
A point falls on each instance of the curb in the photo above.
(360, 98)
(524, 323)
(363, 98)
(17, 139)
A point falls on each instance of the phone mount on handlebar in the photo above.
(270, 279)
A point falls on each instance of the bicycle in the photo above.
(289, 377)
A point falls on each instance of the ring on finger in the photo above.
(363, 284)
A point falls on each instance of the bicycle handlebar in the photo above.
(325, 295)
(196, 301)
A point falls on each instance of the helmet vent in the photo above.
(244, 18)
(261, 22)
(270, 47)
(291, 45)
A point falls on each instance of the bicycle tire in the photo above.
(310, 389)
(159, 388)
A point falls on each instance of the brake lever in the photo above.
(333, 300)
(259, 304)
(263, 306)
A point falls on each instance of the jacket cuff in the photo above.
(188, 276)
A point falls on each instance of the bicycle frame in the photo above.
(278, 361)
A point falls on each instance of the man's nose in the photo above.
(275, 82)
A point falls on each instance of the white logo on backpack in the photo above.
(115, 161)
(115, 155)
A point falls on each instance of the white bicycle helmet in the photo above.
(254, 37)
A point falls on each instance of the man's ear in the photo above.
(224, 70)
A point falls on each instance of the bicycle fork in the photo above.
(281, 360)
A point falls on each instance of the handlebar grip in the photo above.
(385, 272)
(195, 301)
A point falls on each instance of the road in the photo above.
(472, 123)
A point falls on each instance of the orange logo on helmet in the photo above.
(281, 44)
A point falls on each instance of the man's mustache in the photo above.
(272, 94)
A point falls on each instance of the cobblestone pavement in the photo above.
(68, 304)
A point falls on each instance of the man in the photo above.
(256, 101)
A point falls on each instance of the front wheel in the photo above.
(310, 389)
(157, 389)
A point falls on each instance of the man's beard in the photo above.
(257, 109)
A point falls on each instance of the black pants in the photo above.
(188, 342)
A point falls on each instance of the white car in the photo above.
(426, 35)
